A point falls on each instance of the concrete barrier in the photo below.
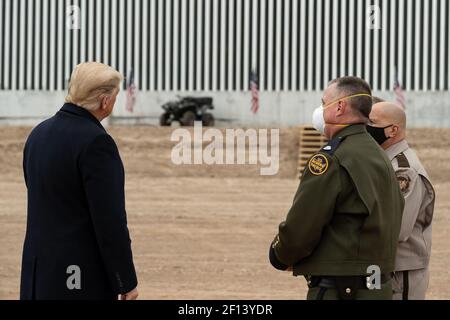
(277, 109)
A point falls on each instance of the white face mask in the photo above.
(317, 119)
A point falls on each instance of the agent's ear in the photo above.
(394, 131)
(341, 107)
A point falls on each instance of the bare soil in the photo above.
(203, 232)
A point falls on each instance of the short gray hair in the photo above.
(355, 85)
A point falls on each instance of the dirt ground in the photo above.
(203, 232)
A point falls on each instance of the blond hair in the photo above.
(90, 82)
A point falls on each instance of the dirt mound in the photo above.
(146, 151)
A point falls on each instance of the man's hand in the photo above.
(132, 295)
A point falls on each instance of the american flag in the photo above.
(398, 91)
(131, 92)
(255, 91)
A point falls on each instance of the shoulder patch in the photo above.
(404, 182)
(318, 164)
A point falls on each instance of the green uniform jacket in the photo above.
(347, 211)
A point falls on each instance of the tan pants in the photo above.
(416, 285)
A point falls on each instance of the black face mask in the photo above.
(378, 133)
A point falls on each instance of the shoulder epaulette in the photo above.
(402, 160)
(332, 145)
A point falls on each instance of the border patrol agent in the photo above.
(411, 276)
(346, 214)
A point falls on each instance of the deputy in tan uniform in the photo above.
(344, 222)
(410, 279)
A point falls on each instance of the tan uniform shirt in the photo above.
(414, 248)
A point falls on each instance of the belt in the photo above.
(329, 282)
(346, 286)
